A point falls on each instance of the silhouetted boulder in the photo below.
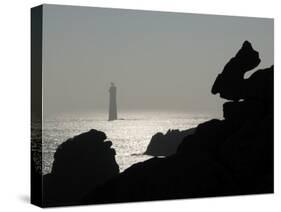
(167, 144)
(80, 164)
(230, 83)
(257, 96)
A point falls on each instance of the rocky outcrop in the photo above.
(230, 83)
(222, 157)
(173, 177)
(80, 164)
(244, 110)
(248, 155)
(259, 86)
(166, 144)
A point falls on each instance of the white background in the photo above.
(15, 103)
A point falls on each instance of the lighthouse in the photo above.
(112, 102)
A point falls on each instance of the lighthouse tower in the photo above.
(112, 103)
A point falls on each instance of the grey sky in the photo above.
(158, 60)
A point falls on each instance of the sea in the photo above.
(130, 134)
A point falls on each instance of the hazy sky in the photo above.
(158, 60)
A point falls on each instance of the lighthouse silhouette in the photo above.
(112, 102)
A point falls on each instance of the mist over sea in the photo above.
(130, 134)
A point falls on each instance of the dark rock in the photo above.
(244, 110)
(207, 138)
(167, 144)
(80, 164)
(248, 154)
(259, 86)
(230, 83)
(172, 177)
(258, 98)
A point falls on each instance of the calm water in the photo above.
(130, 136)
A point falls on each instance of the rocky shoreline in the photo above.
(233, 156)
